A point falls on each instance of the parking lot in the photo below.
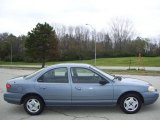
(16, 112)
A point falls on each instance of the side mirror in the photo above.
(103, 82)
(118, 77)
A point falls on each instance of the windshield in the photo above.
(100, 71)
(33, 74)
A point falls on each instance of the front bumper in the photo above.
(14, 98)
(150, 97)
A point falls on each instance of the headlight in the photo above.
(151, 89)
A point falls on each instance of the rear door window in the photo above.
(57, 75)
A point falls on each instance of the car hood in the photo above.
(133, 81)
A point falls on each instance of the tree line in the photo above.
(49, 43)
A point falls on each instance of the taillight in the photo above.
(8, 86)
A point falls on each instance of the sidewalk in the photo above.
(132, 67)
(21, 66)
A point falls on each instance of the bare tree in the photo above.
(121, 30)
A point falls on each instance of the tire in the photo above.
(33, 105)
(130, 103)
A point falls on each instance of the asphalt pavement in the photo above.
(101, 67)
(16, 112)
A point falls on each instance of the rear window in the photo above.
(33, 74)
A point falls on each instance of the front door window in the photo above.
(83, 75)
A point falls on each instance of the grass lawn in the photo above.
(122, 61)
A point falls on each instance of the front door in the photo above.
(54, 87)
(86, 89)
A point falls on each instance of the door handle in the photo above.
(43, 88)
(78, 88)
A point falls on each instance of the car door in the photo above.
(86, 89)
(55, 87)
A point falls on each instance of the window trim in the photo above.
(54, 82)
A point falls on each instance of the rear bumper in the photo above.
(150, 97)
(14, 98)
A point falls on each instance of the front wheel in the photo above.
(130, 103)
(33, 105)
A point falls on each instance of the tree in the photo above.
(121, 30)
(41, 43)
(7, 47)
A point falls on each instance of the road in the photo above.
(101, 67)
(15, 112)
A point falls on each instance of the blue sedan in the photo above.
(78, 85)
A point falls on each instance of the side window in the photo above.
(58, 75)
(82, 75)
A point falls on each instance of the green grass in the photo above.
(125, 61)
(122, 61)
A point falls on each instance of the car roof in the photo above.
(69, 65)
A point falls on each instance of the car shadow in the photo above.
(82, 110)
(149, 108)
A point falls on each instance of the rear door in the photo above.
(86, 89)
(54, 87)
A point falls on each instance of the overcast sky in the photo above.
(20, 16)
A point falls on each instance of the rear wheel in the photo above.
(33, 105)
(130, 103)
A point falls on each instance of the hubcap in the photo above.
(131, 104)
(33, 105)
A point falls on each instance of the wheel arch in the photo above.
(130, 92)
(31, 94)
